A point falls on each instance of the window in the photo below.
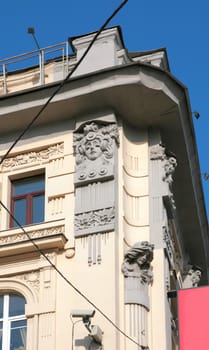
(13, 323)
(27, 202)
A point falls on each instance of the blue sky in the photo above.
(182, 26)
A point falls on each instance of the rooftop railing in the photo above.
(36, 59)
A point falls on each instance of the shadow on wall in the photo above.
(87, 343)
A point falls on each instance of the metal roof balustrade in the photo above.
(34, 68)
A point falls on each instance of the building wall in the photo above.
(110, 228)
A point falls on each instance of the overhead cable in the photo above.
(18, 139)
(62, 82)
(61, 274)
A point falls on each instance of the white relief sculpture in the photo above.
(169, 168)
(192, 277)
(138, 276)
(34, 157)
(157, 152)
(95, 141)
(32, 278)
(94, 150)
(137, 262)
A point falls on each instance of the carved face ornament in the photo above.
(93, 146)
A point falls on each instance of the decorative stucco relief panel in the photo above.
(33, 157)
(95, 151)
(21, 237)
(163, 173)
(95, 221)
(32, 279)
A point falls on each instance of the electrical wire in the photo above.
(63, 81)
(68, 281)
(17, 140)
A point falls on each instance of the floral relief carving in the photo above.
(137, 262)
(34, 157)
(169, 167)
(157, 152)
(19, 237)
(32, 278)
(95, 218)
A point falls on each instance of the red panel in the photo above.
(193, 315)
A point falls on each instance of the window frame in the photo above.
(28, 196)
(7, 320)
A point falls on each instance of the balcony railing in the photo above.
(29, 68)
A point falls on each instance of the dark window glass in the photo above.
(28, 184)
(16, 305)
(13, 325)
(38, 208)
(18, 335)
(27, 202)
(20, 211)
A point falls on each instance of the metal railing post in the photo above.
(4, 78)
(41, 66)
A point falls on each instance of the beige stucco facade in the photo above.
(124, 217)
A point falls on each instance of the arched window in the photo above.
(13, 323)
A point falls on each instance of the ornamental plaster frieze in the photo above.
(22, 237)
(33, 157)
(93, 221)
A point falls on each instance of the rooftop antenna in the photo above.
(31, 31)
